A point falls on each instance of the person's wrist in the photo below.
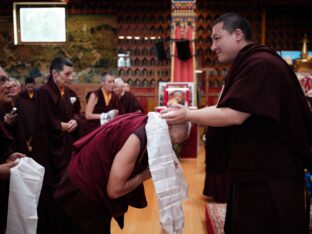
(187, 115)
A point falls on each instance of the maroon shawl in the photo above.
(275, 141)
(92, 159)
(130, 103)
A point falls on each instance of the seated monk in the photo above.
(128, 101)
(106, 173)
(102, 104)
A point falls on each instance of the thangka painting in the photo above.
(91, 45)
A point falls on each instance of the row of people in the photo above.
(262, 122)
(49, 121)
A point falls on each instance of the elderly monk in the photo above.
(7, 154)
(266, 126)
(21, 127)
(128, 101)
(53, 137)
(106, 173)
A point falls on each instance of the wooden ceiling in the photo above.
(112, 3)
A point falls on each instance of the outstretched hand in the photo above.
(176, 114)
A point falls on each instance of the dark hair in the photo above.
(233, 21)
(29, 80)
(105, 74)
(58, 64)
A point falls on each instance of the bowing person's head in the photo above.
(178, 132)
(61, 71)
(230, 33)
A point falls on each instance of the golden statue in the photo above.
(304, 64)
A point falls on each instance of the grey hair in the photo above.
(105, 75)
(16, 81)
(119, 82)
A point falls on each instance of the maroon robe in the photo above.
(52, 149)
(28, 106)
(267, 153)
(130, 103)
(216, 179)
(88, 174)
(6, 141)
(25, 95)
(25, 116)
(15, 129)
(99, 108)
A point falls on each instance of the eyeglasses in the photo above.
(3, 79)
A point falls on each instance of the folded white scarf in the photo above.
(169, 183)
(25, 187)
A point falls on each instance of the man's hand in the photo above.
(9, 118)
(5, 169)
(72, 125)
(12, 157)
(112, 114)
(176, 114)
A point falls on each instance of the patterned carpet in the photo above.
(215, 216)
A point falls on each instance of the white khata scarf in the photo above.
(168, 180)
(25, 188)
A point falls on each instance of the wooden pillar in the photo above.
(183, 28)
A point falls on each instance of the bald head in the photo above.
(178, 132)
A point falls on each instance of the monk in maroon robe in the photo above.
(100, 102)
(26, 109)
(128, 101)
(7, 154)
(267, 126)
(106, 172)
(30, 91)
(54, 130)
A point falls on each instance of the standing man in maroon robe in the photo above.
(28, 97)
(267, 129)
(128, 101)
(52, 141)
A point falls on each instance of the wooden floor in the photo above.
(146, 221)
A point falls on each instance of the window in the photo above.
(39, 23)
